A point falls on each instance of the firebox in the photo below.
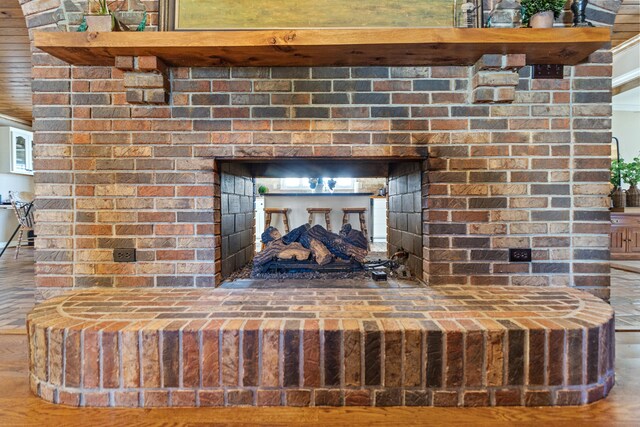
(305, 226)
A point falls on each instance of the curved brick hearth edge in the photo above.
(442, 346)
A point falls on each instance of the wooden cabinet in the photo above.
(618, 239)
(625, 236)
(17, 151)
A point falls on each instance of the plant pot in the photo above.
(619, 198)
(633, 197)
(99, 23)
(542, 20)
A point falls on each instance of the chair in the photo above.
(325, 211)
(24, 208)
(360, 212)
(274, 211)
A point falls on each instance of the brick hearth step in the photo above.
(440, 346)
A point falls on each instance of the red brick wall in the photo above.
(529, 174)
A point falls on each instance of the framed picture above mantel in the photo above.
(202, 15)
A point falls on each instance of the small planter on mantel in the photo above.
(542, 20)
(99, 23)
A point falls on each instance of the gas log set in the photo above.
(307, 248)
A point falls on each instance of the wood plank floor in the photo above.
(17, 290)
(19, 408)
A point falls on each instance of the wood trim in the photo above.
(16, 119)
(631, 84)
(328, 47)
(166, 15)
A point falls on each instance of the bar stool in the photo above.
(325, 211)
(360, 212)
(285, 217)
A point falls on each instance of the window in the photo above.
(303, 183)
(294, 183)
(344, 183)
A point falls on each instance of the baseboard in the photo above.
(14, 331)
(624, 267)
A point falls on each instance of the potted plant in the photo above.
(332, 184)
(631, 175)
(618, 196)
(262, 190)
(541, 13)
(313, 183)
(100, 18)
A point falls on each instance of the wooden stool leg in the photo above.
(19, 243)
(363, 226)
(327, 219)
(285, 219)
(345, 218)
(310, 218)
(268, 220)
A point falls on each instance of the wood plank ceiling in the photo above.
(627, 22)
(15, 55)
(15, 62)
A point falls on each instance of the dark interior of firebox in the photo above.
(313, 219)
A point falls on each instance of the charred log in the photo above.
(299, 234)
(277, 249)
(337, 245)
(320, 252)
(269, 235)
(355, 237)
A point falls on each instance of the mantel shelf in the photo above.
(328, 47)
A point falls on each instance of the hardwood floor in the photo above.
(625, 298)
(19, 408)
(17, 290)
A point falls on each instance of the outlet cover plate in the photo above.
(519, 255)
(548, 71)
(124, 255)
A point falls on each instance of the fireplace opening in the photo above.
(317, 219)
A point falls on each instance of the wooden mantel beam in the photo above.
(328, 47)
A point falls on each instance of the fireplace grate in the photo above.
(294, 266)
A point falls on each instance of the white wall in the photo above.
(625, 124)
(626, 127)
(626, 61)
(11, 182)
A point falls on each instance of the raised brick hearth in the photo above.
(448, 346)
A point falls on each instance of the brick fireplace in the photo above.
(531, 173)
(481, 158)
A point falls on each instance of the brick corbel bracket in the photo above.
(145, 79)
(495, 78)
